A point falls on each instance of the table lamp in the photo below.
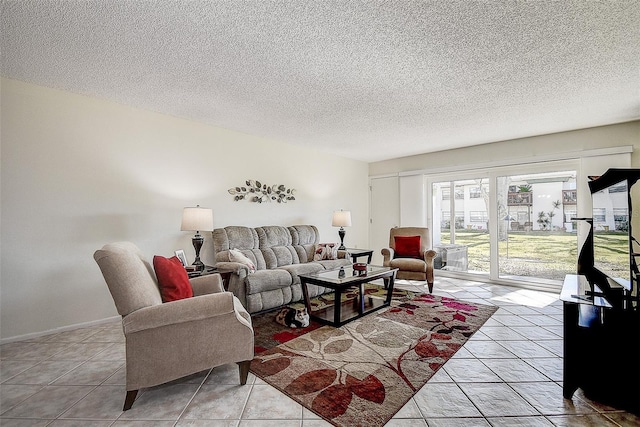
(341, 219)
(197, 219)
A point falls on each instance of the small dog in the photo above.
(293, 318)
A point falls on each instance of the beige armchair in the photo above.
(419, 267)
(168, 341)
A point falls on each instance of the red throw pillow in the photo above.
(407, 246)
(173, 279)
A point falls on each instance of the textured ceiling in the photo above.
(369, 80)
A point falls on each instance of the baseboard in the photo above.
(58, 330)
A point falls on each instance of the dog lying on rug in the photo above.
(293, 317)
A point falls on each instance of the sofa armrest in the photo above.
(180, 311)
(429, 255)
(387, 254)
(209, 284)
(233, 267)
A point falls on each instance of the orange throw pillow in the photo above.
(407, 246)
(173, 279)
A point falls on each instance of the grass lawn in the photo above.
(541, 254)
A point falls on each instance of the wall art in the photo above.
(255, 191)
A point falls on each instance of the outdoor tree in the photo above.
(552, 213)
(543, 220)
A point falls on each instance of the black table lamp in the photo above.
(341, 219)
(197, 219)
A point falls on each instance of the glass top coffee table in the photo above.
(341, 280)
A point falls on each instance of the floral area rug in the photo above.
(362, 373)
(268, 334)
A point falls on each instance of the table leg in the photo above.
(337, 307)
(388, 283)
(305, 294)
(361, 304)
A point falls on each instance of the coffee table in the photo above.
(342, 279)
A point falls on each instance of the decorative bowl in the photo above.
(360, 266)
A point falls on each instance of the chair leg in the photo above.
(430, 285)
(128, 401)
(244, 371)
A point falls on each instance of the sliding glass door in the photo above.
(515, 227)
(461, 235)
(537, 239)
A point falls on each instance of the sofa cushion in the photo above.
(409, 264)
(267, 280)
(173, 279)
(304, 234)
(407, 246)
(273, 235)
(306, 268)
(276, 247)
(304, 239)
(278, 256)
(243, 238)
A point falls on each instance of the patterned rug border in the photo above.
(454, 320)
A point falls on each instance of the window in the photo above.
(619, 188)
(569, 197)
(599, 215)
(478, 216)
(621, 219)
(620, 214)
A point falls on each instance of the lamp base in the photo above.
(197, 241)
(341, 233)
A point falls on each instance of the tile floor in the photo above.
(508, 374)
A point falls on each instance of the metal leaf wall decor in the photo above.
(255, 191)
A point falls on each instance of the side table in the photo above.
(207, 270)
(357, 253)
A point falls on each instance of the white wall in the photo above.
(412, 190)
(78, 172)
(525, 148)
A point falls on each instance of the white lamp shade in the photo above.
(197, 219)
(341, 219)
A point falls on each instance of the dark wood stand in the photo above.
(601, 347)
(204, 272)
(357, 253)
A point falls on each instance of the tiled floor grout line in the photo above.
(192, 397)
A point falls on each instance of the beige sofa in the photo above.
(279, 254)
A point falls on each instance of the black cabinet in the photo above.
(601, 344)
(601, 303)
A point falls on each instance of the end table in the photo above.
(357, 253)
